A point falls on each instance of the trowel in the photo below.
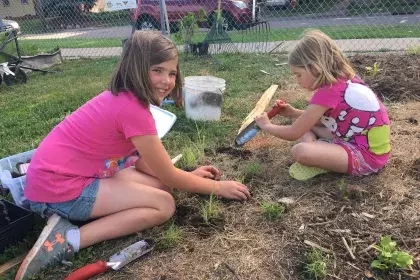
(116, 261)
(252, 129)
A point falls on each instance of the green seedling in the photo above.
(170, 237)
(272, 211)
(252, 169)
(189, 158)
(316, 266)
(210, 209)
(413, 50)
(373, 71)
(342, 189)
(389, 257)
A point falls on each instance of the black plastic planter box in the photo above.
(21, 222)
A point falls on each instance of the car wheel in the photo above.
(146, 23)
(19, 78)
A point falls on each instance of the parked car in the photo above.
(283, 4)
(236, 14)
(10, 25)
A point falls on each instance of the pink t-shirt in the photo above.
(358, 117)
(91, 143)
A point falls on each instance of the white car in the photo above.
(277, 3)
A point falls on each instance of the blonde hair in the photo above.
(316, 52)
(142, 50)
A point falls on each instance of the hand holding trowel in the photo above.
(252, 129)
(115, 262)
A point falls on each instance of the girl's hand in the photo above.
(209, 172)
(232, 189)
(263, 121)
(287, 110)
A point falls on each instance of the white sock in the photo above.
(73, 237)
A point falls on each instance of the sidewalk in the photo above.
(350, 45)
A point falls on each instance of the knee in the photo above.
(167, 206)
(308, 137)
(300, 152)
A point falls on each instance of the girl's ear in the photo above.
(178, 97)
(314, 72)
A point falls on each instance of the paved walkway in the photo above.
(350, 45)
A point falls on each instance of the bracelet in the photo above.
(216, 188)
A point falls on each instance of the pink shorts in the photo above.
(360, 161)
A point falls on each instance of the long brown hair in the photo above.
(142, 50)
(316, 52)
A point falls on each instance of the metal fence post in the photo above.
(162, 9)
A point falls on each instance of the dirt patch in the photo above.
(396, 78)
(415, 169)
(189, 216)
(239, 153)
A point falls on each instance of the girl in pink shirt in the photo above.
(87, 168)
(343, 112)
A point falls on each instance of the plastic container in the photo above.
(164, 120)
(15, 185)
(21, 221)
(203, 97)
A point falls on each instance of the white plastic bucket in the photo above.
(203, 97)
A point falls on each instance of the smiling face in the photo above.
(303, 77)
(163, 77)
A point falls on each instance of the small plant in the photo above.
(373, 71)
(342, 189)
(316, 266)
(272, 211)
(210, 209)
(252, 169)
(188, 25)
(413, 50)
(389, 257)
(189, 159)
(170, 237)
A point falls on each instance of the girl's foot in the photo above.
(302, 173)
(50, 249)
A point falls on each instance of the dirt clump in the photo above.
(394, 78)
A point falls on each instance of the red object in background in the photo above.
(237, 14)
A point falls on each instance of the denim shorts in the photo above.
(78, 209)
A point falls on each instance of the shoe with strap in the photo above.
(302, 172)
(50, 249)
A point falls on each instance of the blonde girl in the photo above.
(345, 128)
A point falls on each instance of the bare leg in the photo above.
(318, 131)
(322, 155)
(127, 206)
(322, 132)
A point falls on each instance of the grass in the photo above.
(316, 265)
(252, 169)
(414, 50)
(171, 237)
(335, 32)
(272, 210)
(210, 209)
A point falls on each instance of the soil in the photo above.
(398, 78)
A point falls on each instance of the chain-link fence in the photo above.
(97, 27)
